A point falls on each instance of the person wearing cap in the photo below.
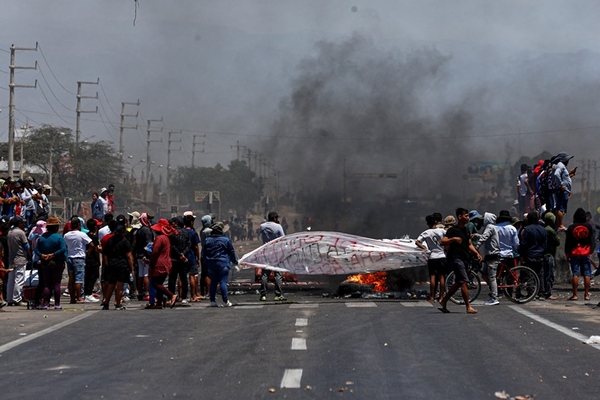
(18, 251)
(475, 223)
(269, 231)
(459, 245)
(77, 243)
(30, 196)
(92, 262)
(219, 254)
(45, 207)
(180, 246)
(449, 222)
(562, 182)
(51, 250)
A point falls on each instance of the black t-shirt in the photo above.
(116, 250)
(93, 259)
(456, 250)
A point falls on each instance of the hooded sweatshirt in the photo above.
(488, 240)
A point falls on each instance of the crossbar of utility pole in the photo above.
(123, 126)
(171, 133)
(11, 105)
(79, 111)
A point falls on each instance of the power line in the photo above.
(47, 101)
(107, 102)
(46, 61)
(51, 91)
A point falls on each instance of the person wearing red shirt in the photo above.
(579, 244)
(160, 261)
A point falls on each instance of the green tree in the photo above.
(74, 174)
(239, 187)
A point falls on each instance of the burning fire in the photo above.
(377, 278)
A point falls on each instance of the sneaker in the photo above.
(263, 298)
(91, 299)
(125, 299)
(105, 307)
(184, 301)
(58, 307)
(22, 303)
(120, 308)
(492, 302)
(3, 304)
(228, 304)
(213, 304)
(280, 298)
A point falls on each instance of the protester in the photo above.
(533, 243)
(118, 258)
(204, 278)
(271, 230)
(180, 246)
(552, 244)
(3, 274)
(143, 237)
(193, 255)
(579, 244)
(18, 251)
(219, 255)
(508, 237)
(51, 250)
(562, 183)
(92, 262)
(77, 243)
(459, 246)
(490, 243)
(160, 262)
(436, 263)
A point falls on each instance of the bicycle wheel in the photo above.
(474, 286)
(521, 285)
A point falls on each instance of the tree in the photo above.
(238, 186)
(74, 174)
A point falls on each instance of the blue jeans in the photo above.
(218, 276)
(581, 263)
(76, 265)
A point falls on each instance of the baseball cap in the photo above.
(474, 214)
(189, 214)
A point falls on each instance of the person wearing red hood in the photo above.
(160, 259)
(579, 244)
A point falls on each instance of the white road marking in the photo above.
(51, 329)
(301, 321)
(298, 344)
(416, 304)
(291, 379)
(553, 325)
(361, 305)
(248, 307)
(315, 305)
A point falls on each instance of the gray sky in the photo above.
(226, 69)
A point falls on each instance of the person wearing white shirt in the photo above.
(77, 243)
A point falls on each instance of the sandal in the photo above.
(573, 298)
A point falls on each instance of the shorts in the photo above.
(143, 268)
(76, 265)
(562, 199)
(117, 274)
(194, 269)
(437, 266)
(579, 263)
(460, 270)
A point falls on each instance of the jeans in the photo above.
(14, 286)
(265, 281)
(548, 275)
(218, 276)
(76, 265)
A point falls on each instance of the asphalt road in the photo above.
(311, 347)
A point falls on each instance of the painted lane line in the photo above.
(248, 307)
(291, 379)
(304, 305)
(553, 325)
(43, 332)
(301, 321)
(361, 305)
(416, 304)
(298, 344)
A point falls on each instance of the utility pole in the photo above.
(123, 127)
(11, 104)
(22, 134)
(249, 158)
(79, 111)
(238, 147)
(169, 154)
(194, 151)
(150, 130)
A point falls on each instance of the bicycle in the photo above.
(520, 284)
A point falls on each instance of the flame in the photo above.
(377, 278)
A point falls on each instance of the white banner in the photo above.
(334, 253)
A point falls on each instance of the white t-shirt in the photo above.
(103, 232)
(431, 238)
(76, 243)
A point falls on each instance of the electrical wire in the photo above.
(107, 102)
(46, 61)
(51, 91)
(47, 101)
